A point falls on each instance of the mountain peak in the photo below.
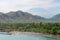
(20, 16)
(56, 16)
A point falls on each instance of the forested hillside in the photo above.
(50, 28)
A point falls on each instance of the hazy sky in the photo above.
(45, 8)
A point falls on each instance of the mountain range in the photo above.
(25, 17)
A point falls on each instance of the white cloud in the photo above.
(13, 5)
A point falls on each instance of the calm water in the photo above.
(24, 37)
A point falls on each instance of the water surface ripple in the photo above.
(24, 37)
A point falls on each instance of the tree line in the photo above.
(50, 28)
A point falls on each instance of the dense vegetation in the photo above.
(51, 28)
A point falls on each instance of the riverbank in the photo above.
(32, 33)
(35, 34)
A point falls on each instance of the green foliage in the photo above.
(51, 28)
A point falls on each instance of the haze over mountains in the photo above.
(23, 17)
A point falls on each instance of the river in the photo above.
(24, 37)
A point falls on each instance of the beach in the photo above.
(35, 34)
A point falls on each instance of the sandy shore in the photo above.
(32, 33)
(35, 34)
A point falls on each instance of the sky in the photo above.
(44, 8)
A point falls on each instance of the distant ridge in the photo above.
(23, 17)
(55, 18)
